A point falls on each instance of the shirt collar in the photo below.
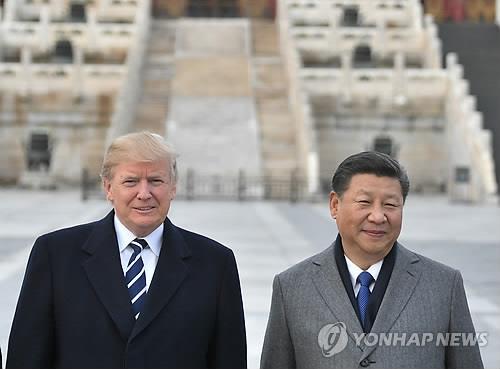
(355, 271)
(124, 236)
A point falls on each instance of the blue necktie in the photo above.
(135, 277)
(365, 279)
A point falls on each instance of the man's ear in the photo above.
(334, 203)
(173, 192)
(106, 184)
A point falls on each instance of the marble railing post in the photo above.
(27, 77)
(78, 71)
(58, 8)
(346, 69)
(44, 37)
(92, 32)
(399, 87)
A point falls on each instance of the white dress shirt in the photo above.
(149, 255)
(355, 271)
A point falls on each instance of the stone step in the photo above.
(279, 120)
(156, 86)
(272, 105)
(151, 98)
(272, 136)
(152, 113)
(270, 75)
(265, 39)
(280, 168)
(264, 93)
(161, 48)
(160, 60)
(152, 103)
(157, 74)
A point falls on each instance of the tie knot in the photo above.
(365, 279)
(139, 244)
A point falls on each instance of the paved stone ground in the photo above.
(268, 237)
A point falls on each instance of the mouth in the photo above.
(374, 233)
(144, 209)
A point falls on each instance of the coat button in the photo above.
(364, 363)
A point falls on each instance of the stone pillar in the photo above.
(498, 13)
(381, 36)
(103, 5)
(45, 40)
(92, 33)
(78, 71)
(26, 63)
(399, 87)
(1, 34)
(12, 155)
(9, 11)
(58, 8)
(346, 67)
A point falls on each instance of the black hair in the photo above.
(369, 162)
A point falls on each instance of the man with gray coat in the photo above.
(366, 301)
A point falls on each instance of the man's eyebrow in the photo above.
(387, 196)
(129, 176)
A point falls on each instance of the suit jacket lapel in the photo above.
(170, 271)
(105, 274)
(328, 282)
(404, 279)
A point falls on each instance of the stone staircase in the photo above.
(478, 48)
(157, 72)
(276, 123)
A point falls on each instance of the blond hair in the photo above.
(138, 146)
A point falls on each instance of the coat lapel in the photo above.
(170, 272)
(404, 279)
(328, 283)
(104, 271)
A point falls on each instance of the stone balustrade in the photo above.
(313, 31)
(470, 145)
(28, 78)
(384, 83)
(106, 10)
(329, 42)
(395, 13)
(41, 37)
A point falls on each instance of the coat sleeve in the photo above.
(31, 340)
(462, 356)
(278, 351)
(229, 348)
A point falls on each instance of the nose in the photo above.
(377, 215)
(144, 191)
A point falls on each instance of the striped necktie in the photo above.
(365, 279)
(135, 276)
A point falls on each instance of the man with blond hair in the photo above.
(131, 290)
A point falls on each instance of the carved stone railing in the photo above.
(384, 83)
(91, 36)
(333, 41)
(397, 13)
(314, 27)
(106, 10)
(470, 145)
(26, 78)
